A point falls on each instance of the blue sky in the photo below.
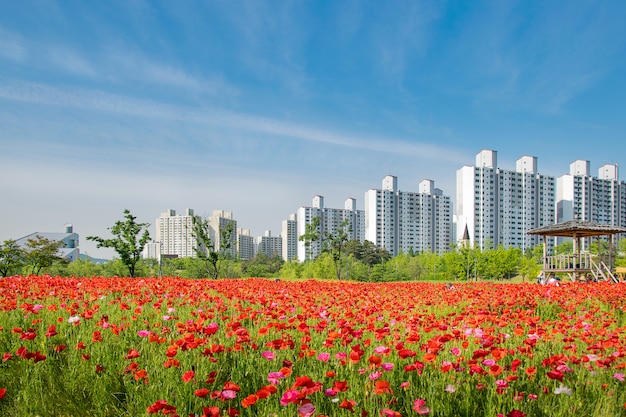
(254, 107)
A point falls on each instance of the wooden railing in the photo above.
(585, 264)
(568, 262)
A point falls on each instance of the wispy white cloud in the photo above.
(402, 33)
(110, 63)
(515, 55)
(11, 46)
(100, 101)
(125, 65)
(70, 61)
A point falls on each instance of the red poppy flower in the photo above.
(340, 386)
(381, 387)
(201, 392)
(210, 412)
(231, 386)
(188, 376)
(348, 405)
(249, 401)
(554, 374)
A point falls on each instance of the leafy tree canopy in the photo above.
(128, 242)
(11, 257)
(41, 252)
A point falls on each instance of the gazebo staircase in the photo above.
(601, 272)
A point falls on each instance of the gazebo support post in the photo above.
(545, 259)
(577, 256)
(610, 252)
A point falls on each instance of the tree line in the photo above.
(339, 258)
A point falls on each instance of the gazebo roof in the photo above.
(577, 228)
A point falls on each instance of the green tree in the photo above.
(11, 257)
(620, 259)
(292, 270)
(529, 268)
(564, 248)
(429, 265)
(262, 265)
(367, 253)
(500, 263)
(356, 270)
(128, 242)
(77, 268)
(462, 262)
(311, 234)
(114, 268)
(335, 243)
(401, 268)
(205, 248)
(41, 252)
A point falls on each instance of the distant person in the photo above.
(554, 281)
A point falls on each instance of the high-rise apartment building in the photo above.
(403, 222)
(600, 199)
(499, 206)
(217, 223)
(174, 234)
(270, 245)
(330, 221)
(245, 244)
(290, 238)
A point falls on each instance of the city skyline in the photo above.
(254, 108)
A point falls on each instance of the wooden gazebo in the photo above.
(578, 265)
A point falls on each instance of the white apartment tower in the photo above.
(600, 199)
(290, 238)
(498, 206)
(330, 221)
(217, 222)
(245, 244)
(270, 245)
(174, 234)
(403, 222)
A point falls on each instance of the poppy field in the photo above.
(257, 347)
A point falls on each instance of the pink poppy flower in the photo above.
(269, 355)
(501, 383)
(275, 377)
(382, 350)
(212, 328)
(618, 376)
(329, 392)
(306, 410)
(289, 396)
(143, 333)
(375, 375)
(387, 366)
(489, 362)
(229, 394)
(324, 357)
(420, 407)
